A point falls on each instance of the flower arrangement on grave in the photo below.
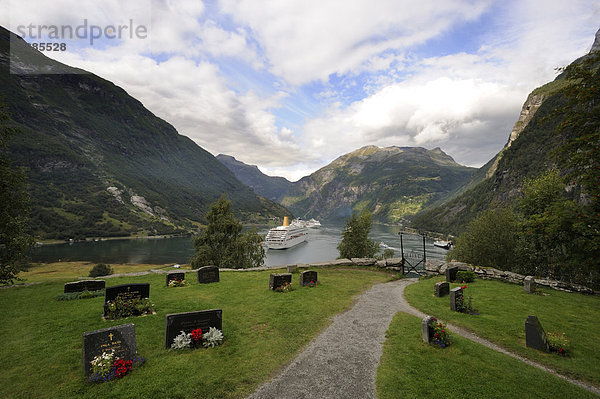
(558, 343)
(285, 287)
(464, 305)
(196, 338)
(125, 307)
(441, 335)
(310, 284)
(177, 283)
(107, 367)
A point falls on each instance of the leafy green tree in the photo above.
(355, 237)
(223, 243)
(15, 242)
(490, 240)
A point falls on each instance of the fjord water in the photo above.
(320, 247)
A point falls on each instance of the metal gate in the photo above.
(411, 260)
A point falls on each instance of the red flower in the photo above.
(443, 330)
(437, 335)
(197, 334)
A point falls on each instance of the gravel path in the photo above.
(343, 360)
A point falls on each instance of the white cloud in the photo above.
(310, 40)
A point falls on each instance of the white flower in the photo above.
(212, 338)
(182, 341)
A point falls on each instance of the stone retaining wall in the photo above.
(439, 267)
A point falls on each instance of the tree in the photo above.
(15, 242)
(490, 240)
(355, 237)
(223, 243)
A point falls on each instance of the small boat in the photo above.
(443, 244)
(383, 245)
(287, 235)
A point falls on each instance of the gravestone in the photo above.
(277, 280)
(208, 274)
(441, 289)
(126, 291)
(535, 337)
(451, 273)
(85, 285)
(456, 294)
(188, 321)
(291, 268)
(307, 276)
(175, 276)
(120, 338)
(529, 284)
(427, 328)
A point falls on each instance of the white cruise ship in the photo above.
(286, 236)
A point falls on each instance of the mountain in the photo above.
(393, 183)
(273, 188)
(531, 149)
(99, 163)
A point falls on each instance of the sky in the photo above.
(291, 85)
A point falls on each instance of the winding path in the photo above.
(342, 361)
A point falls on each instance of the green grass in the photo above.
(503, 310)
(41, 338)
(410, 368)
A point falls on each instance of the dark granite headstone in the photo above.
(529, 284)
(175, 276)
(307, 276)
(441, 289)
(208, 274)
(188, 321)
(451, 273)
(277, 280)
(85, 285)
(126, 291)
(535, 337)
(456, 294)
(121, 339)
(427, 328)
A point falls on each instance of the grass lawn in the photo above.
(41, 338)
(503, 309)
(71, 270)
(410, 368)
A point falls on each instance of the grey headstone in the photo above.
(188, 321)
(175, 276)
(85, 285)
(208, 274)
(451, 273)
(529, 284)
(291, 268)
(126, 291)
(307, 276)
(120, 338)
(277, 280)
(441, 289)
(427, 328)
(535, 337)
(455, 294)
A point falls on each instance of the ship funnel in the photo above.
(286, 221)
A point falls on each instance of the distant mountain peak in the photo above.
(596, 45)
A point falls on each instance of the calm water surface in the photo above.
(321, 247)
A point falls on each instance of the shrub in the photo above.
(100, 269)
(122, 307)
(465, 276)
(441, 335)
(558, 343)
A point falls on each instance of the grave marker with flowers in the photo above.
(193, 329)
(110, 353)
(175, 279)
(308, 278)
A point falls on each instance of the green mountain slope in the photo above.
(531, 149)
(273, 188)
(99, 163)
(393, 183)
